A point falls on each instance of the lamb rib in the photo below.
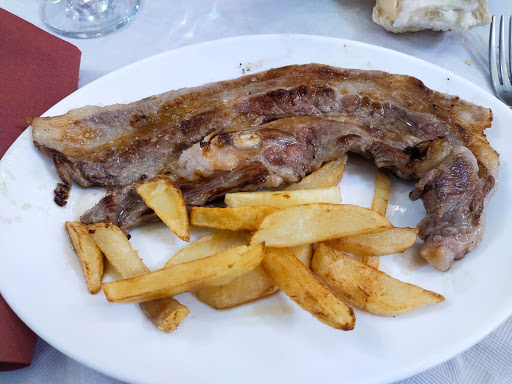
(273, 128)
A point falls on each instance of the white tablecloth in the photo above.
(162, 25)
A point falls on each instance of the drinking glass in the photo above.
(88, 18)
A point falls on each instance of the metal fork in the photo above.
(499, 62)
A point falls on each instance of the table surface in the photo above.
(162, 25)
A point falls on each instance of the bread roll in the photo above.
(439, 15)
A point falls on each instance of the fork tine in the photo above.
(510, 45)
(500, 61)
(505, 78)
(493, 65)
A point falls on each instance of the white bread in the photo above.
(438, 15)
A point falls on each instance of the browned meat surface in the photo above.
(449, 184)
(273, 128)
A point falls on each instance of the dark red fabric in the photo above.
(17, 341)
(37, 70)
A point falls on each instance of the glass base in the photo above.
(88, 18)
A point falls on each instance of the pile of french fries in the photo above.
(302, 240)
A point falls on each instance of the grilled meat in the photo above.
(275, 127)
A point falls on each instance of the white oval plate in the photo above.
(270, 341)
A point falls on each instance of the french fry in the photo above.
(366, 287)
(209, 245)
(381, 194)
(162, 195)
(391, 241)
(329, 175)
(89, 255)
(231, 218)
(304, 253)
(217, 269)
(284, 199)
(299, 283)
(311, 223)
(165, 313)
(380, 205)
(250, 286)
(117, 249)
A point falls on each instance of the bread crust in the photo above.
(399, 16)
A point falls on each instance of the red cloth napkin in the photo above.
(37, 70)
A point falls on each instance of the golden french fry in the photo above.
(250, 286)
(209, 245)
(165, 313)
(89, 255)
(311, 223)
(162, 195)
(299, 283)
(391, 241)
(366, 287)
(217, 269)
(372, 260)
(303, 252)
(380, 205)
(117, 249)
(283, 199)
(329, 175)
(231, 218)
(381, 194)
(245, 288)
